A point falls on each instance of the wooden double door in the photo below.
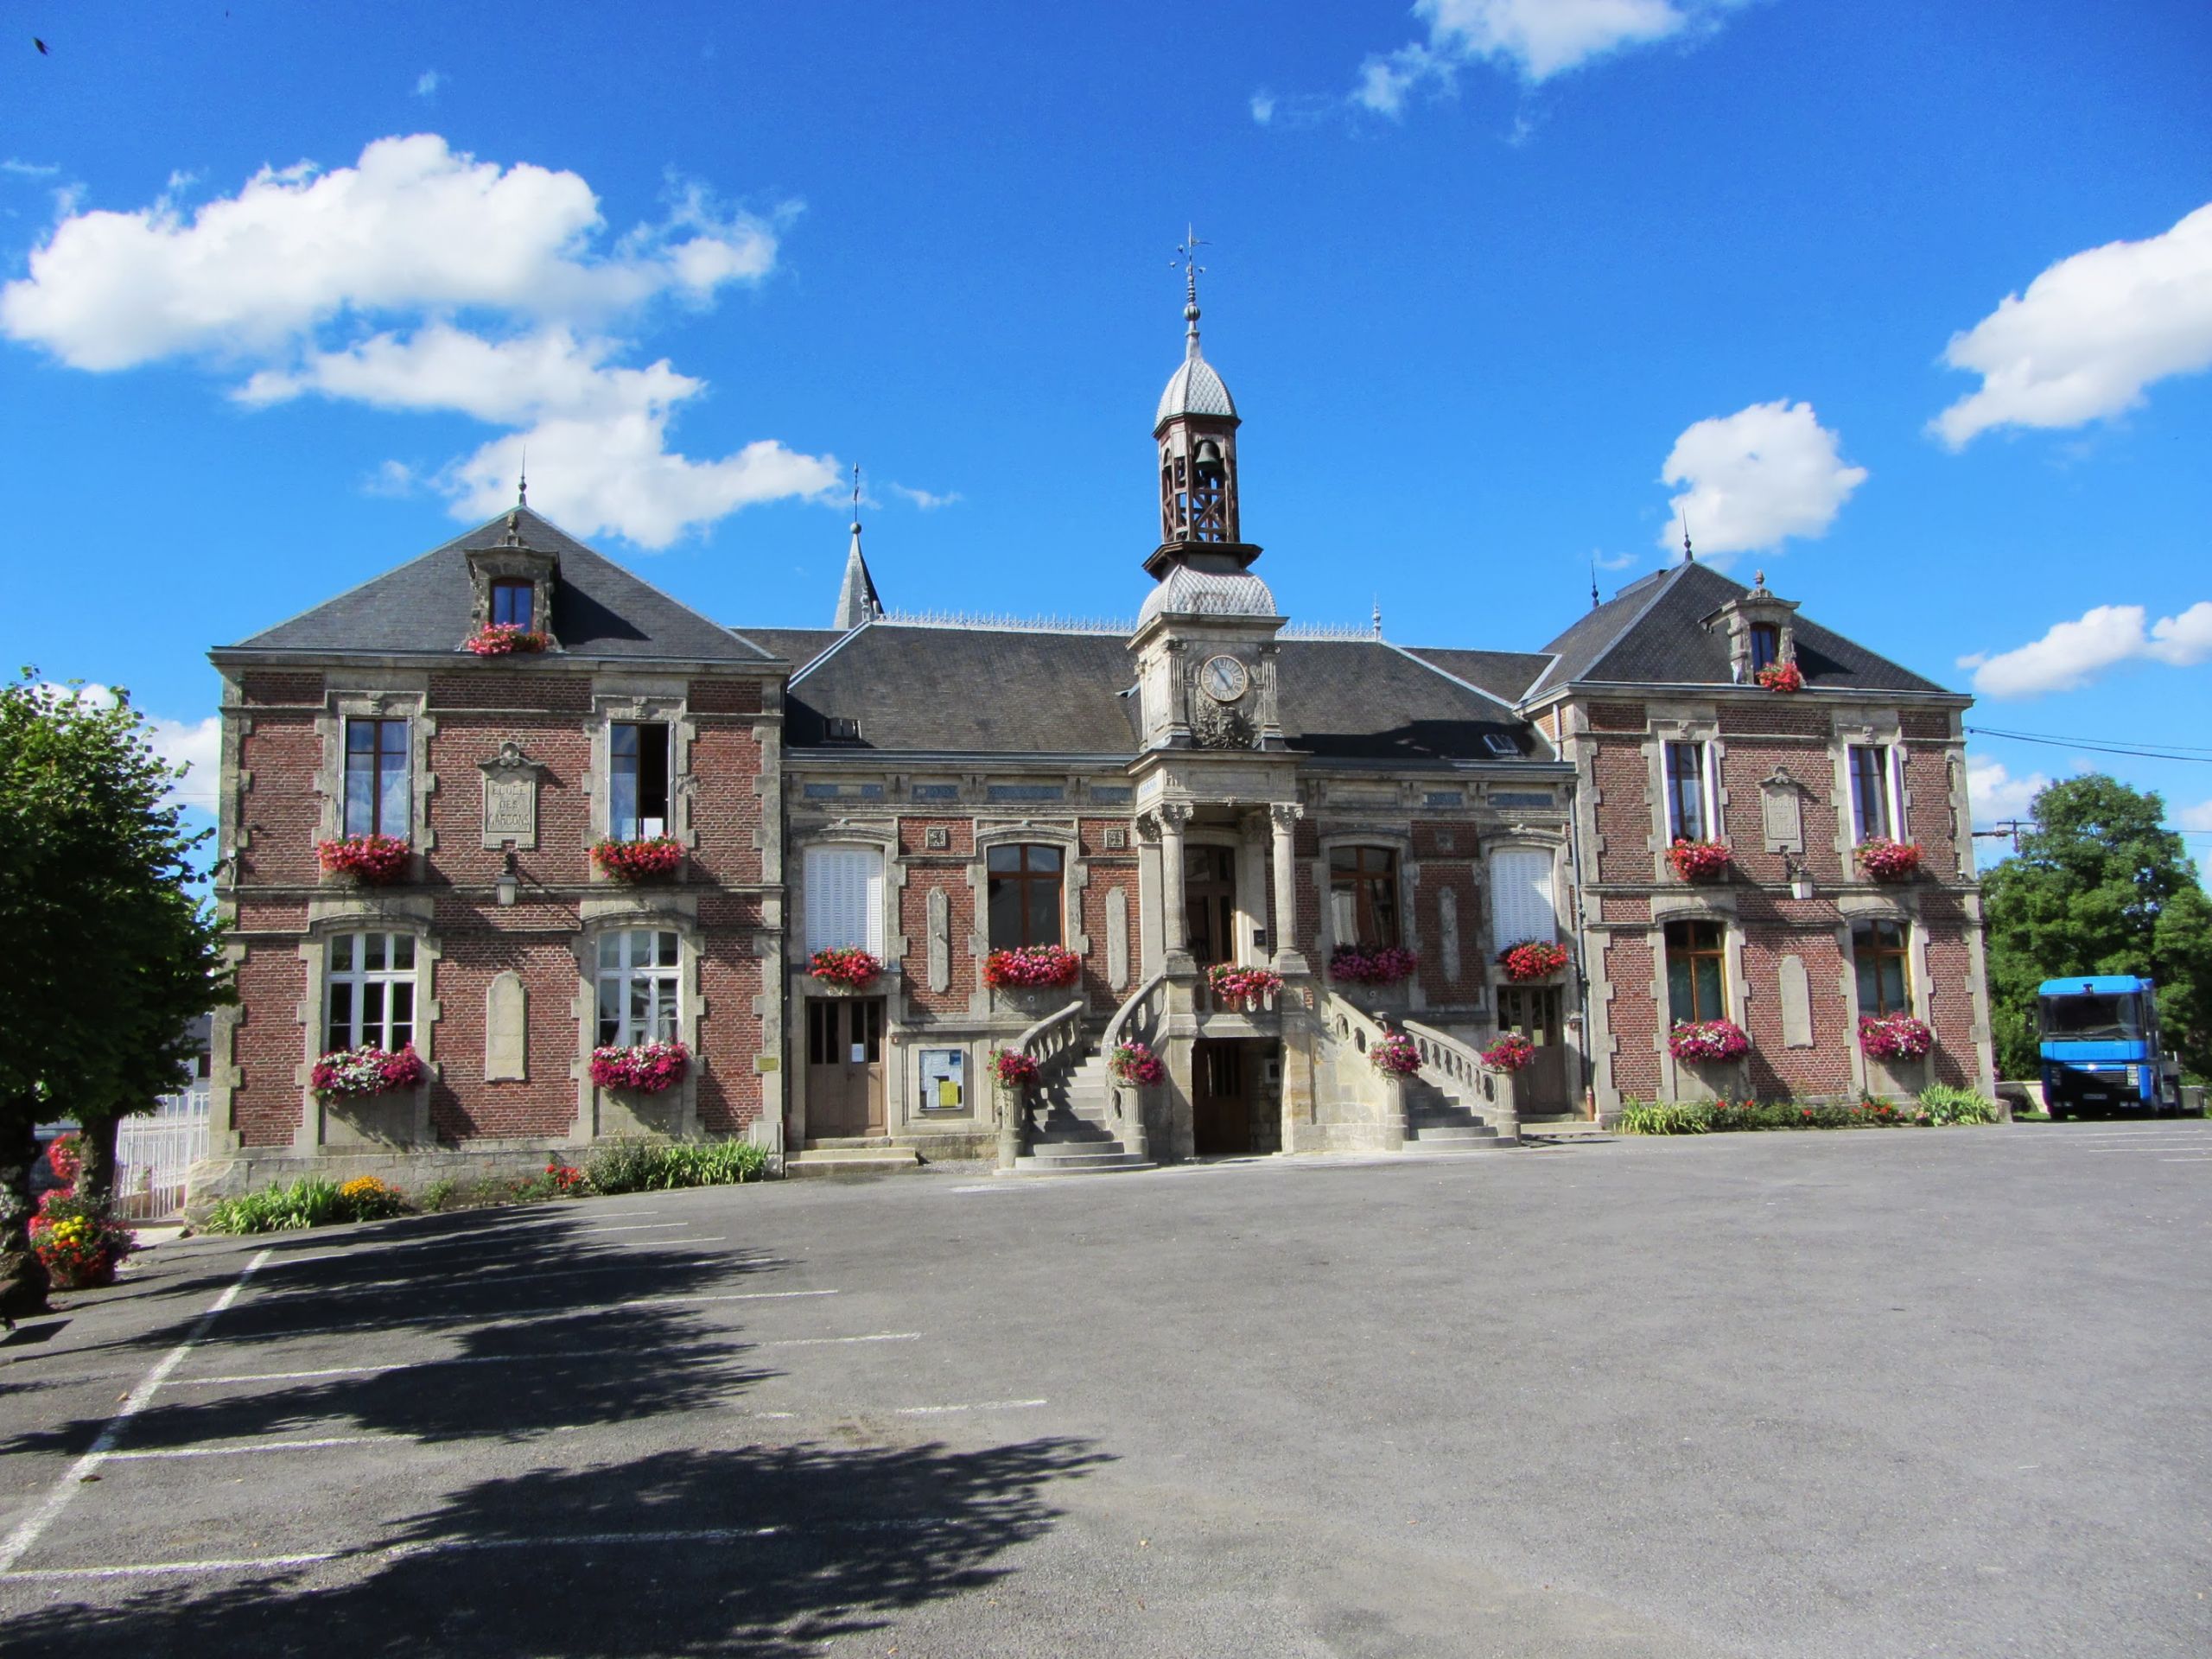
(1220, 1098)
(844, 1066)
(1534, 1011)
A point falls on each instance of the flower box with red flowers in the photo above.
(1895, 1037)
(1781, 676)
(1532, 959)
(1395, 1055)
(365, 858)
(1136, 1065)
(1031, 967)
(504, 639)
(641, 1068)
(1708, 1040)
(352, 1073)
(1011, 1069)
(1509, 1053)
(1249, 989)
(1360, 964)
(850, 966)
(1699, 860)
(638, 860)
(1888, 861)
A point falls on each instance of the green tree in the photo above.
(110, 954)
(2099, 886)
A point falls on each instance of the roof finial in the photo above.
(856, 498)
(1187, 256)
(1378, 616)
(1689, 556)
(522, 483)
(1594, 578)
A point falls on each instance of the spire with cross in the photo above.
(1187, 256)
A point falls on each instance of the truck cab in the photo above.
(2100, 1046)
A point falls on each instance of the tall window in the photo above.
(1363, 895)
(512, 603)
(1024, 895)
(1697, 972)
(371, 991)
(638, 979)
(1687, 817)
(376, 778)
(1872, 805)
(1884, 972)
(844, 899)
(1521, 905)
(637, 805)
(1766, 645)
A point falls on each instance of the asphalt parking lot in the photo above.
(1847, 1393)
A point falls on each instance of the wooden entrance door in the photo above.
(1221, 1109)
(1534, 1011)
(1209, 903)
(844, 1066)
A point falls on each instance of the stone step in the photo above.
(850, 1160)
(844, 1142)
(1085, 1163)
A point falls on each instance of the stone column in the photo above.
(1173, 814)
(1284, 817)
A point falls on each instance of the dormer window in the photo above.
(513, 603)
(1766, 645)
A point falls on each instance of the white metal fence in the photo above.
(153, 1153)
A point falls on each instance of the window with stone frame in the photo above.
(369, 991)
(1697, 972)
(1689, 815)
(1882, 953)
(1766, 645)
(514, 602)
(637, 797)
(843, 896)
(378, 796)
(640, 978)
(1363, 896)
(1873, 791)
(1023, 886)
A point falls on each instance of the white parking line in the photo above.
(27, 1532)
(716, 1296)
(2199, 1158)
(154, 1452)
(980, 1405)
(826, 1342)
(637, 1227)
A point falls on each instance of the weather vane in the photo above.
(1187, 256)
(857, 495)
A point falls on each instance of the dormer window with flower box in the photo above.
(1761, 630)
(512, 612)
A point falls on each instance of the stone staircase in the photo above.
(1069, 1132)
(868, 1154)
(1437, 1121)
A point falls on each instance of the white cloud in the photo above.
(427, 83)
(2195, 817)
(198, 745)
(421, 279)
(1996, 794)
(2073, 653)
(1263, 107)
(927, 500)
(1756, 478)
(2088, 335)
(1613, 562)
(1535, 39)
(30, 170)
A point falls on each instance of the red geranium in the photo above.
(1358, 964)
(1509, 1053)
(645, 1068)
(1698, 861)
(1533, 959)
(1135, 1062)
(638, 860)
(504, 639)
(1781, 676)
(1895, 1037)
(1395, 1055)
(1708, 1040)
(365, 858)
(847, 965)
(1888, 861)
(1031, 967)
(1012, 1068)
(1245, 987)
(349, 1073)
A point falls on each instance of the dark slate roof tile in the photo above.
(1506, 675)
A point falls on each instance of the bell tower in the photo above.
(1195, 429)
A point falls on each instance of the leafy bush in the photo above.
(1945, 1106)
(1664, 1117)
(653, 1166)
(310, 1201)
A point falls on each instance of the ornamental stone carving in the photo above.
(511, 780)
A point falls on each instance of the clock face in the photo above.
(1223, 678)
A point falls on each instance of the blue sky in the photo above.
(286, 293)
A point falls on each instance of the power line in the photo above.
(2201, 760)
(2046, 737)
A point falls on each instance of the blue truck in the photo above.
(2100, 1052)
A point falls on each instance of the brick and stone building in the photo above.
(1211, 786)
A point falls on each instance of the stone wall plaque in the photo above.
(1796, 1004)
(1117, 938)
(940, 939)
(1781, 812)
(511, 780)
(936, 837)
(1448, 932)
(506, 1029)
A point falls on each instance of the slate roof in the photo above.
(994, 691)
(599, 608)
(1653, 631)
(797, 647)
(1504, 674)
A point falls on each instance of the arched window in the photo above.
(1697, 972)
(639, 979)
(1880, 951)
(1024, 897)
(370, 995)
(1363, 895)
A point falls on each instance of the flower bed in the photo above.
(352, 1073)
(1532, 959)
(1395, 1055)
(847, 965)
(1781, 676)
(1136, 1064)
(1509, 1053)
(1895, 1037)
(1031, 967)
(365, 858)
(370, 1199)
(1937, 1107)
(79, 1240)
(1708, 1040)
(1698, 861)
(504, 639)
(638, 860)
(643, 1068)
(1245, 987)
(1888, 861)
(1358, 964)
(1011, 1069)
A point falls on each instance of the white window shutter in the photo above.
(844, 899)
(1520, 897)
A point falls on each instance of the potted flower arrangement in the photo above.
(1888, 861)
(1698, 861)
(642, 1068)
(1781, 676)
(1031, 967)
(847, 965)
(1359, 964)
(1708, 1040)
(1136, 1065)
(638, 860)
(1533, 959)
(504, 639)
(353, 1073)
(365, 858)
(1249, 989)
(1895, 1037)
(1509, 1053)
(1011, 1069)
(79, 1240)
(1394, 1055)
